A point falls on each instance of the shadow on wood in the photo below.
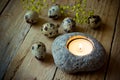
(48, 59)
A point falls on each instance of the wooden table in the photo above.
(16, 38)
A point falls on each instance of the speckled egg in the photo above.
(31, 17)
(54, 12)
(49, 29)
(39, 50)
(94, 21)
(68, 24)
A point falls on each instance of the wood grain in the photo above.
(3, 4)
(107, 9)
(34, 69)
(25, 67)
(13, 30)
(114, 66)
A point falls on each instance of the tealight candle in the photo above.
(75, 52)
(80, 46)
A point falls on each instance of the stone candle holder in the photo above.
(70, 63)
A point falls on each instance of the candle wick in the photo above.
(80, 49)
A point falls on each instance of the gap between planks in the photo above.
(108, 62)
(107, 36)
(114, 44)
(11, 41)
(4, 5)
(55, 73)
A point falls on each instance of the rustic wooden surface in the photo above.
(16, 38)
(113, 70)
(3, 4)
(13, 30)
(104, 8)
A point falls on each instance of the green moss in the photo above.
(78, 10)
(53, 1)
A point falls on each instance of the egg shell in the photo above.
(54, 12)
(94, 21)
(49, 29)
(31, 17)
(68, 24)
(39, 50)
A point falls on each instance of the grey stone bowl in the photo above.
(70, 63)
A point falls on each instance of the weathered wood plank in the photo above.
(24, 66)
(114, 66)
(3, 4)
(12, 32)
(34, 69)
(107, 9)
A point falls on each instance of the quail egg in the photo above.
(94, 21)
(39, 50)
(54, 12)
(49, 29)
(31, 17)
(68, 24)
